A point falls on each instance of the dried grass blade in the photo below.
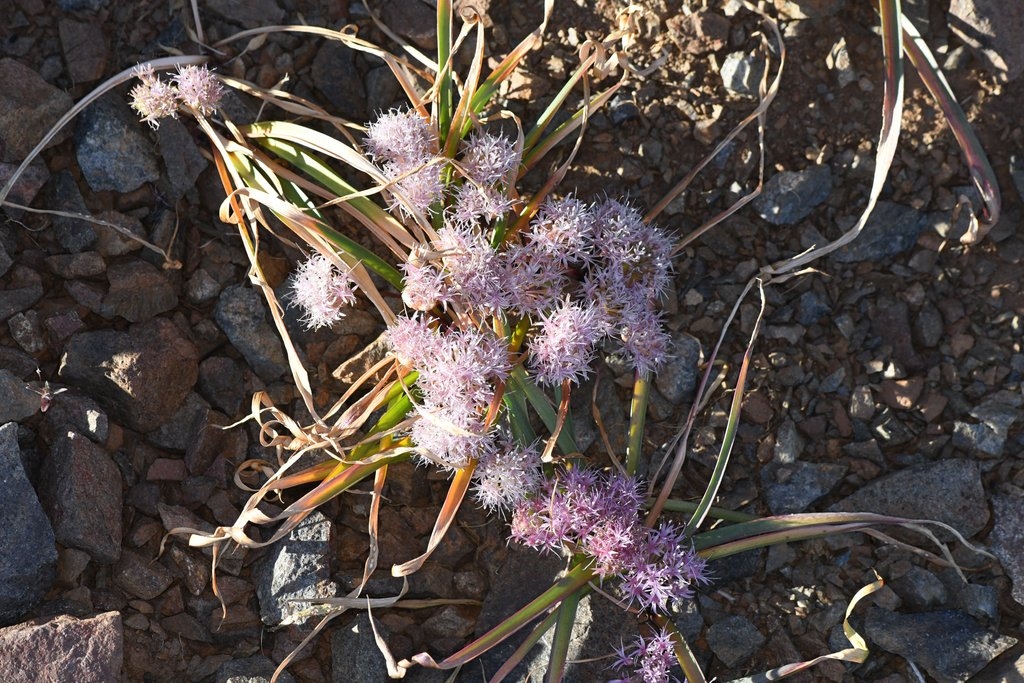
(456, 494)
(977, 161)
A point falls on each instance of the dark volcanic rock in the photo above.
(141, 376)
(29, 106)
(81, 491)
(28, 551)
(948, 644)
(63, 649)
(112, 148)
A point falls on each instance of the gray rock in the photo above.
(734, 640)
(180, 429)
(72, 410)
(19, 402)
(113, 151)
(949, 644)
(677, 378)
(28, 550)
(948, 491)
(75, 266)
(355, 657)
(979, 439)
(1007, 537)
(201, 287)
(24, 290)
(790, 196)
(25, 189)
(140, 576)
(73, 234)
(27, 331)
(241, 314)
(29, 106)
(141, 376)
(297, 566)
(741, 73)
(920, 589)
(838, 61)
(788, 444)
(114, 242)
(85, 49)
(699, 32)
(138, 291)
(78, 5)
(995, 28)
(63, 648)
(811, 307)
(248, 14)
(795, 486)
(928, 326)
(412, 19)
(808, 9)
(80, 487)
(255, 669)
(892, 229)
(181, 158)
(222, 384)
(335, 76)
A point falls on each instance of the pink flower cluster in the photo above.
(193, 87)
(650, 659)
(321, 291)
(584, 511)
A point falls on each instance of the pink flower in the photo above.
(321, 291)
(152, 98)
(198, 89)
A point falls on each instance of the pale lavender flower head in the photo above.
(416, 191)
(473, 267)
(649, 659)
(198, 89)
(564, 343)
(644, 339)
(152, 98)
(473, 202)
(488, 158)
(413, 342)
(402, 138)
(321, 291)
(425, 285)
(534, 279)
(564, 228)
(506, 474)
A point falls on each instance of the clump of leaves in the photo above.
(506, 299)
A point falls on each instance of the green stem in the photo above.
(637, 416)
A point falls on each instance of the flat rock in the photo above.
(297, 566)
(948, 491)
(808, 9)
(19, 402)
(255, 669)
(734, 640)
(892, 228)
(241, 314)
(948, 644)
(181, 158)
(138, 291)
(29, 106)
(790, 196)
(699, 32)
(677, 379)
(28, 551)
(993, 27)
(793, 487)
(334, 74)
(141, 376)
(80, 487)
(28, 185)
(140, 576)
(112, 149)
(63, 649)
(85, 49)
(1007, 537)
(73, 234)
(82, 414)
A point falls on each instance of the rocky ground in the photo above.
(889, 381)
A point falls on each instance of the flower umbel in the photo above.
(152, 98)
(198, 89)
(321, 291)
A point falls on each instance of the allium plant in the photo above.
(506, 300)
